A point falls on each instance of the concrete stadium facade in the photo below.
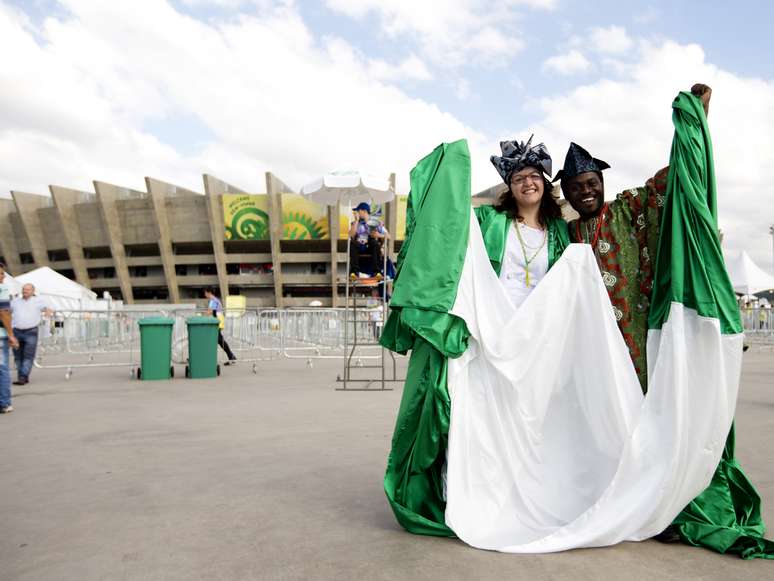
(168, 243)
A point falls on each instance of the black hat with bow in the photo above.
(517, 155)
(579, 161)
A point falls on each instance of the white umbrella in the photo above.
(349, 188)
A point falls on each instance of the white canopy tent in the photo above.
(13, 285)
(63, 294)
(746, 276)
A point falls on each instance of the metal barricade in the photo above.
(82, 339)
(758, 323)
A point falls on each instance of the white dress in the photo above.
(513, 274)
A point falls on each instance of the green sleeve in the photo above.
(494, 229)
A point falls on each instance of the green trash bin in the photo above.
(202, 347)
(156, 348)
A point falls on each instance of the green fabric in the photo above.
(413, 480)
(689, 265)
(429, 267)
(690, 269)
(726, 517)
(494, 229)
(436, 230)
(428, 271)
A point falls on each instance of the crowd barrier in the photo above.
(758, 325)
(72, 340)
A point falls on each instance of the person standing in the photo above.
(366, 234)
(215, 309)
(27, 310)
(7, 339)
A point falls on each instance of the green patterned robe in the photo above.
(626, 253)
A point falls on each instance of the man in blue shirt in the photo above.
(366, 234)
(27, 310)
(7, 339)
(215, 309)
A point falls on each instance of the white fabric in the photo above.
(27, 313)
(746, 276)
(62, 293)
(513, 274)
(551, 444)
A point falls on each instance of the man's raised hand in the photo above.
(704, 93)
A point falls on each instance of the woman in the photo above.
(524, 232)
(524, 235)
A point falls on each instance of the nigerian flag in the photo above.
(525, 430)
(692, 290)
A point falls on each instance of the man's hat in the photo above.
(579, 161)
(518, 155)
(363, 206)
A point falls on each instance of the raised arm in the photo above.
(703, 92)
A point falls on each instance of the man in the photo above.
(7, 339)
(624, 235)
(26, 311)
(215, 309)
(365, 234)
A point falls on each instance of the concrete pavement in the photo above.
(269, 476)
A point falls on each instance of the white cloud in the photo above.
(627, 122)
(570, 63)
(410, 69)
(454, 32)
(76, 103)
(611, 40)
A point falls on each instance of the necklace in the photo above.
(528, 260)
(587, 238)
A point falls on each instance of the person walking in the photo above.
(215, 309)
(27, 313)
(7, 339)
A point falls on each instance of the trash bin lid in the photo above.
(202, 321)
(156, 321)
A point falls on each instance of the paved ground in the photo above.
(274, 476)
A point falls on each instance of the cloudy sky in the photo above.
(119, 90)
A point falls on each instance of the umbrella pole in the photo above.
(346, 296)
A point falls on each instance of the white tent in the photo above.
(746, 276)
(64, 294)
(14, 287)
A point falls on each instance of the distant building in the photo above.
(167, 244)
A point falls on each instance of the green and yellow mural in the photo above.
(246, 217)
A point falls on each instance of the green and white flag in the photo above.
(525, 430)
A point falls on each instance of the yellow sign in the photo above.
(246, 217)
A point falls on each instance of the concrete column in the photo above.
(108, 194)
(333, 234)
(274, 189)
(7, 240)
(65, 200)
(28, 205)
(391, 220)
(214, 190)
(159, 191)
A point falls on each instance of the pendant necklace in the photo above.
(528, 260)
